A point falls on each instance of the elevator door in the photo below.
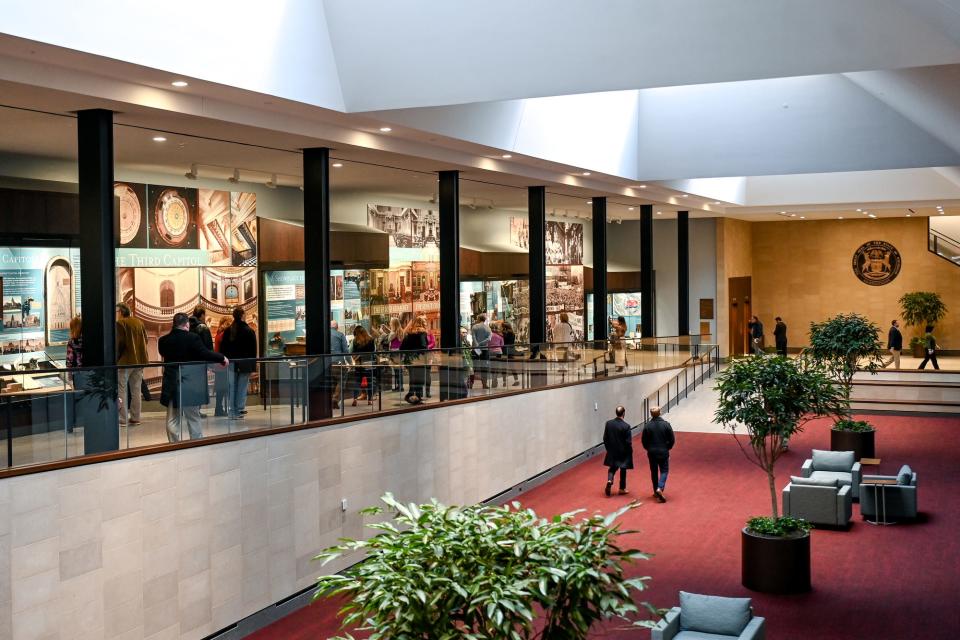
(740, 311)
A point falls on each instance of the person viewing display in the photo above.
(780, 336)
(509, 351)
(618, 329)
(481, 354)
(362, 349)
(183, 389)
(413, 347)
(221, 377)
(395, 340)
(131, 350)
(239, 344)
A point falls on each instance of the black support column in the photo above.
(647, 326)
(98, 268)
(98, 411)
(537, 227)
(600, 323)
(683, 272)
(449, 259)
(316, 238)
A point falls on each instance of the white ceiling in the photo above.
(747, 107)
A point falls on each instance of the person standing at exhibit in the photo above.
(509, 351)
(618, 443)
(413, 347)
(780, 336)
(362, 350)
(131, 356)
(481, 340)
(618, 330)
(894, 344)
(431, 355)
(183, 390)
(338, 350)
(396, 339)
(756, 335)
(929, 348)
(198, 325)
(75, 361)
(239, 344)
(657, 439)
(563, 336)
(221, 377)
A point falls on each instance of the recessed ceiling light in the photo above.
(803, 217)
(386, 129)
(506, 156)
(659, 212)
(716, 202)
(793, 215)
(337, 165)
(585, 173)
(782, 212)
(631, 208)
(643, 186)
(839, 217)
(941, 212)
(159, 139)
(686, 195)
(180, 83)
(908, 215)
(871, 216)
(859, 210)
(589, 201)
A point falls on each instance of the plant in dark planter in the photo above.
(920, 308)
(770, 399)
(858, 436)
(843, 345)
(487, 573)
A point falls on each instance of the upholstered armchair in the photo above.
(821, 502)
(901, 498)
(834, 465)
(701, 617)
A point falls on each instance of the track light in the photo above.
(192, 174)
(235, 178)
(272, 182)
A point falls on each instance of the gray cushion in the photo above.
(698, 635)
(839, 477)
(713, 614)
(832, 460)
(905, 475)
(814, 481)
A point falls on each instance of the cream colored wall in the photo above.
(802, 271)
(184, 543)
(734, 259)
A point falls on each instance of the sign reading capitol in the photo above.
(876, 262)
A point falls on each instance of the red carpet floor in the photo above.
(882, 583)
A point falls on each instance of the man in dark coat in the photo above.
(618, 441)
(184, 387)
(756, 335)
(657, 439)
(239, 343)
(894, 344)
(780, 336)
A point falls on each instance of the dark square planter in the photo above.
(775, 565)
(860, 442)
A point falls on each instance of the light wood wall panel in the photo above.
(734, 260)
(802, 271)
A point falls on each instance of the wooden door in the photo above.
(739, 291)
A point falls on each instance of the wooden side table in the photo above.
(879, 485)
(869, 461)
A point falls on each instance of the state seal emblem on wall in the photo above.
(876, 262)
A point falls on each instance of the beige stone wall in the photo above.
(734, 259)
(182, 544)
(802, 271)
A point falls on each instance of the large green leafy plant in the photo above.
(770, 399)
(485, 573)
(920, 308)
(843, 345)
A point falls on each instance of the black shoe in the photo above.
(607, 489)
(243, 412)
(658, 494)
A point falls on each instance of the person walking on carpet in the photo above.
(657, 438)
(618, 441)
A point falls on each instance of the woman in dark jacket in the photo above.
(362, 350)
(509, 351)
(239, 344)
(413, 347)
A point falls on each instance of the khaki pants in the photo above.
(129, 379)
(894, 359)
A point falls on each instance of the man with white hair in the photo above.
(657, 438)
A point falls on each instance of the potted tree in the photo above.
(843, 345)
(769, 400)
(481, 572)
(920, 308)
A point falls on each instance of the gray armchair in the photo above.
(820, 502)
(701, 617)
(834, 465)
(901, 498)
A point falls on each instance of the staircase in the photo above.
(907, 391)
(941, 239)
